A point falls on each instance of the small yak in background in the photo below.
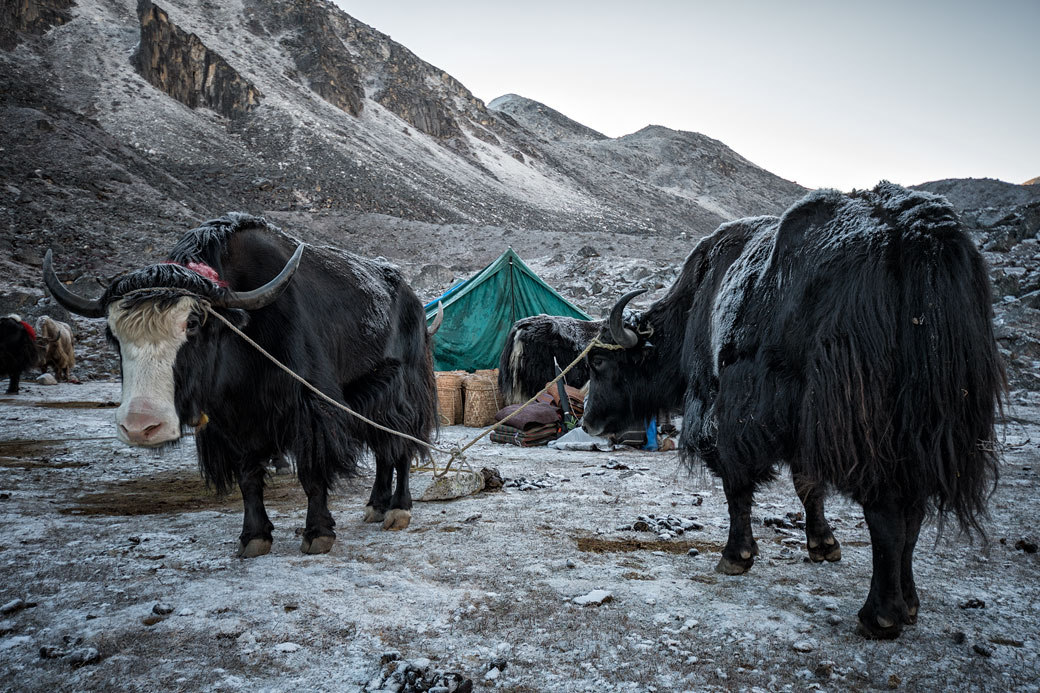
(17, 350)
(526, 363)
(852, 339)
(54, 344)
(348, 325)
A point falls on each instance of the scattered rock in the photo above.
(803, 646)
(1027, 545)
(789, 521)
(492, 479)
(416, 676)
(15, 605)
(594, 598)
(959, 637)
(83, 656)
(161, 609)
(528, 484)
(973, 604)
(46, 379)
(665, 527)
(982, 650)
(287, 647)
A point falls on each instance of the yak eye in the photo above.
(192, 327)
(598, 362)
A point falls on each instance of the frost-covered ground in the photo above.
(117, 572)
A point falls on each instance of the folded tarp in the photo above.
(536, 434)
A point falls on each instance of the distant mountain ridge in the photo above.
(293, 105)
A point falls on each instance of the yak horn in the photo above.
(90, 308)
(266, 294)
(623, 336)
(437, 320)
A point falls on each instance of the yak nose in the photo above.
(143, 424)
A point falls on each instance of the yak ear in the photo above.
(236, 316)
(646, 351)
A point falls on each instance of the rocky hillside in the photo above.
(127, 122)
(130, 121)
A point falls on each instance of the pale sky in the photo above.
(824, 93)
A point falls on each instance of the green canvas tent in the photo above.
(479, 311)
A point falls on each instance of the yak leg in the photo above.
(914, 517)
(400, 514)
(741, 548)
(819, 538)
(379, 500)
(885, 610)
(318, 536)
(256, 537)
(12, 386)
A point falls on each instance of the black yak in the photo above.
(526, 364)
(348, 325)
(852, 339)
(17, 350)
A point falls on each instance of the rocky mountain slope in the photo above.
(126, 123)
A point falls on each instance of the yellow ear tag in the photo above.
(203, 420)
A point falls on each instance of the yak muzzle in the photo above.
(146, 424)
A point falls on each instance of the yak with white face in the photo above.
(347, 325)
(851, 339)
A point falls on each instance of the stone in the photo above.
(46, 379)
(426, 487)
(594, 598)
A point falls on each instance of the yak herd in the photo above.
(849, 339)
(48, 345)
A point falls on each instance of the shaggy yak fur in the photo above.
(852, 339)
(526, 364)
(17, 350)
(348, 325)
(54, 343)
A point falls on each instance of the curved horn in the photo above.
(266, 294)
(437, 320)
(90, 308)
(622, 335)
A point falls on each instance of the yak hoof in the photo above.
(728, 567)
(397, 519)
(255, 547)
(373, 515)
(829, 551)
(322, 544)
(911, 616)
(885, 628)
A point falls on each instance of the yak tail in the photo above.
(905, 382)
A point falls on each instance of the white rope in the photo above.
(456, 452)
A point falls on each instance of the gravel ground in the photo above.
(117, 571)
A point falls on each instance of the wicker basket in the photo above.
(492, 375)
(481, 401)
(449, 398)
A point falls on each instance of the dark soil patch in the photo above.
(24, 447)
(21, 463)
(175, 492)
(597, 545)
(33, 454)
(76, 405)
